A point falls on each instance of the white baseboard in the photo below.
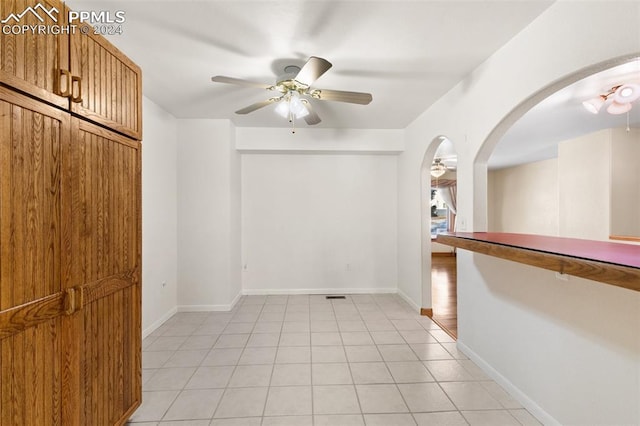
(533, 408)
(204, 308)
(279, 291)
(235, 300)
(210, 308)
(408, 300)
(153, 327)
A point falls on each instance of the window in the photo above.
(439, 213)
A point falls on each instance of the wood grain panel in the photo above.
(70, 229)
(111, 85)
(30, 383)
(110, 384)
(31, 63)
(106, 196)
(33, 137)
(104, 188)
(30, 214)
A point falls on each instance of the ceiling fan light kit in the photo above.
(295, 92)
(618, 108)
(627, 93)
(437, 168)
(622, 96)
(594, 105)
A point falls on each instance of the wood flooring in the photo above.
(444, 293)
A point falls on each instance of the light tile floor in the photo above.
(305, 360)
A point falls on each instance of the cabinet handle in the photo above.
(75, 79)
(64, 93)
(69, 301)
(73, 300)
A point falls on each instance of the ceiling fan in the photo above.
(441, 164)
(293, 91)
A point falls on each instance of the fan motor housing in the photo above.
(286, 81)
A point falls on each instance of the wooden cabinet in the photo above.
(105, 238)
(33, 302)
(110, 85)
(70, 229)
(83, 73)
(32, 63)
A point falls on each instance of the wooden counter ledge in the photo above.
(610, 263)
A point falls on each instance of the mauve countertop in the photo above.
(601, 251)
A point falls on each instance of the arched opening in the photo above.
(438, 213)
(556, 109)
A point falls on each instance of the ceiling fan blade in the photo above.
(311, 118)
(342, 96)
(257, 105)
(239, 82)
(312, 70)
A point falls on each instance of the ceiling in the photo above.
(561, 116)
(407, 54)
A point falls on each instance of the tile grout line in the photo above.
(226, 384)
(183, 387)
(384, 306)
(313, 418)
(355, 389)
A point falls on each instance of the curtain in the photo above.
(449, 196)
(449, 191)
(453, 207)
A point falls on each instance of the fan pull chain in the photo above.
(628, 128)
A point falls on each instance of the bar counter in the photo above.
(616, 264)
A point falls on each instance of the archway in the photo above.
(480, 168)
(438, 274)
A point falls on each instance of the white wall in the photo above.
(319, 222)
(524, 199)
(208, 207)
(159, 216)
(572, 192)
(625, 183)
(309, 139)
(571, 348)
(585, 186)
(235, 220)
(550, 53)
(440, 248)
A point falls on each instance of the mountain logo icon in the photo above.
(39, 11)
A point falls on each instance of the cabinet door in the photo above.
(106, 232)
(39, 350)
(32, 63)
(111, 86)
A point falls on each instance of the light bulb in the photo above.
(283, 109)
(618, 108)
(594, 105)
(296, 106)
(627, 93)
(437, 170)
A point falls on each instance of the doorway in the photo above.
(440, 181)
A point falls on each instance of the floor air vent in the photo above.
(335, 297)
